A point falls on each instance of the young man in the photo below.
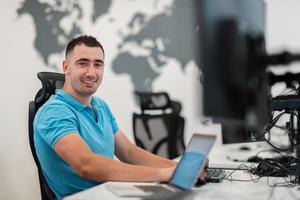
(76, 135)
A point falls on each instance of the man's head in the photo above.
(83, 66)
(84, 39)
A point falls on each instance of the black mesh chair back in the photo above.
(50, 82)
(159, 128)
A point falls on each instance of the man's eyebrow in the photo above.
(82, 59)
(99, 61)
(87, 60)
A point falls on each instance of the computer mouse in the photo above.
(255, 159)
(244, 148)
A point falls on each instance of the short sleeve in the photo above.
(55, 121)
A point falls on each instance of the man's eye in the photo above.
(82, 63)
(98, 65)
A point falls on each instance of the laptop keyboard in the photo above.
(212, 175)
(153, 188)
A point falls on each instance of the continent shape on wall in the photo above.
(168, 34)
(172, 34)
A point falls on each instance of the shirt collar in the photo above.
(70, 100)
(96, 103)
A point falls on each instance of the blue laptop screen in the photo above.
(188, 169)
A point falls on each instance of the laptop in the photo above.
(183, 179)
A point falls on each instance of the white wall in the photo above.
(283, 30)
(18, 85)
(20, 62)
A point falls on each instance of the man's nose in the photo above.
(91, 69)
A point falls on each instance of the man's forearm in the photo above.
(103, 169)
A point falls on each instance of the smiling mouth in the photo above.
(89, 82)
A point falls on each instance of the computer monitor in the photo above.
(232, 49)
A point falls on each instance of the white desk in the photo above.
(227, 190)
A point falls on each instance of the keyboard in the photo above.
(214, 175)
(153, 188)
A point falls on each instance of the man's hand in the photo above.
(202, 173)
(166, 173)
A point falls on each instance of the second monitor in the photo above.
(232, 51)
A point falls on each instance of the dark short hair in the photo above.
(87, 40)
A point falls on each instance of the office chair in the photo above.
(159, 128)
(50, 82)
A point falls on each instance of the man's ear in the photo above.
(66, 67)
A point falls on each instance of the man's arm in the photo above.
(130, 153)
(73, 150)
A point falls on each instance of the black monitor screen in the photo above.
(235, 84)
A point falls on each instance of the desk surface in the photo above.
(235, 190)
(232, 190)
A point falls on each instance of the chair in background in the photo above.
(159, 128)
(50, 82)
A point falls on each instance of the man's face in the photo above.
(84, 68)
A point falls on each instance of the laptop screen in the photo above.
(192, 161)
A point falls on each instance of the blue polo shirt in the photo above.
(62, 115)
